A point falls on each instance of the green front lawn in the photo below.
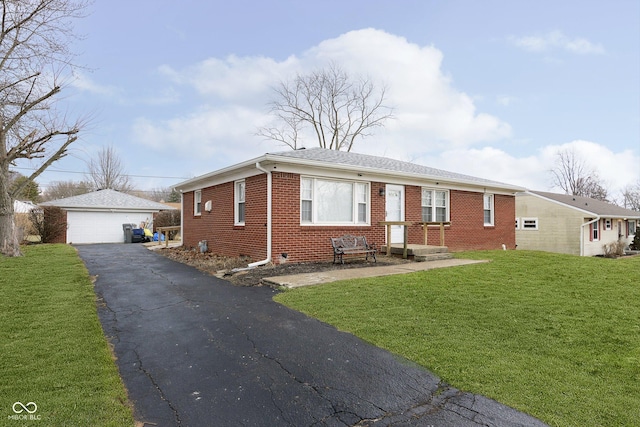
(552, 335)
(53, 352)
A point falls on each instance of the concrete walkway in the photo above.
(307, 279)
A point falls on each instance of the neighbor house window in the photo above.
(607, 224)
(325, 201)
(488, 209)
(595, 231)
(632, 228)
(529, 223)
(197, 202)
(435, 205)
(517, 223)
(239, 196)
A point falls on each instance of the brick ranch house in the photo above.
(286, 205)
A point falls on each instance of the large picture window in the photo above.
(325, 201)
(435, 205)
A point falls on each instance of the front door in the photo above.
(395, 211)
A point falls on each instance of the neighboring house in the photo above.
(23, 207)
(97, 217)
(571, 224)
(287, 205)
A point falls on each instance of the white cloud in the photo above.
(233, 78)
(532, 172)
(613, 168)
(82, 82)
(431, 113)
(557, 40)
(505, 100)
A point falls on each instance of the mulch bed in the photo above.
(221, 266)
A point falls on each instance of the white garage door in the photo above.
(101, 227)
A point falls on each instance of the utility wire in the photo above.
(124, 174)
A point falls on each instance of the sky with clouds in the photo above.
(490, 88)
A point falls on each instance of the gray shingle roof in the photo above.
(382, 163)
(107, 199)
(594, 206)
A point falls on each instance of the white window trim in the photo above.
(608, 224)
(492, 220)
(237, 201)
(314, 205)
(447, 203)
(517, 223)
(197, 200)
(525, 220)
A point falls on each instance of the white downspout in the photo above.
(269, 206)
(582, 233)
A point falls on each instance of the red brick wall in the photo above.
(217, 226)
(311, 243)
(467, 230)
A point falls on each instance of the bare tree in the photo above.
(106, 170)
(631, 196)
(334, 106)
(35, 40)
(573, 176)
(63, 189)
(164, 195)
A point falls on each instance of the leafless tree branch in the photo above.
(335, 107)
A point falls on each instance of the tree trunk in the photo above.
(9, 244)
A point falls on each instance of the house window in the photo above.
(306, 200)
(197, 202)
(435, 205)
(362, 200)
(632, 227)
(595, 231)
(488, 209)
(529, 223)
(607, 224)
(239, 197)
(324, 201)
(517, 223)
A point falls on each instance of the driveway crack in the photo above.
(157, 386)
(336, 412)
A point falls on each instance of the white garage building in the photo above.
(97, 217)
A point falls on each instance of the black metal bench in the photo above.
(347, 245)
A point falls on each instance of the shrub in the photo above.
(614, 249)
(167, 218)
(635, 244)
(50, 223)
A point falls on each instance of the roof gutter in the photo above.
(582, 233)
(269, 222)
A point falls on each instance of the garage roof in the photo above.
(107, 199)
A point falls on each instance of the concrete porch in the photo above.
(420, 252)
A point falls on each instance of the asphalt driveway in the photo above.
(194, 350)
